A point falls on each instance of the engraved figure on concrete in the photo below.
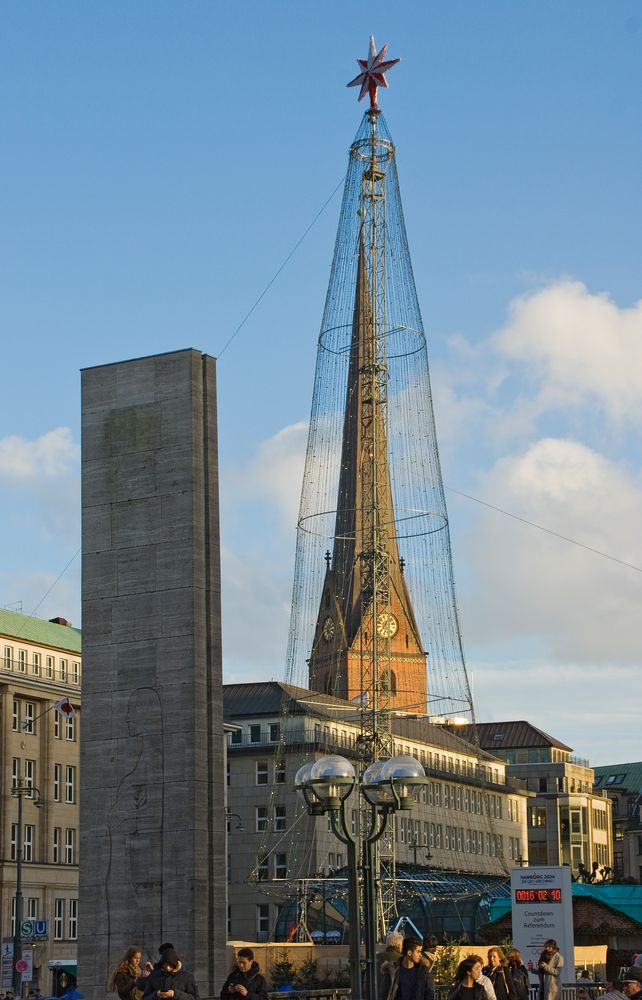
(135, 831)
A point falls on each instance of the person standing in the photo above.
(549, 967)
(632, 982)
(168, 980)
(392, 953)
(407, 979)
(128, 977)
(483, 980)
(429, 953)
(500, 975)
(519, 972)
(467, 985)
(246, 979)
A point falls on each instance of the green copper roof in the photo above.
(619, 777)
(16, 626)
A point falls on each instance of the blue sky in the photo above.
(159, 162)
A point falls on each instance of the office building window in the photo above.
(275, 732)
(262, 921)
(72, 924)
(262, 870)
(63, 670)
(29, 832)
(22, 661)
(57, 835)
(59, 919)
(237, 738)
(15, 771)
(70, 728)
(280, 865)
(32, 908)
(261, 772)
(255, 734)
(279, 819)
(75, 672)
(70, 784)
(70, 845)
(15, 715)
(49, 666)
(14, 842)
(261, 819)
(7, 658)
(57, 780)
(279, 772)
(35, 664)
(28, 724)
(30, 776)
(57, 725)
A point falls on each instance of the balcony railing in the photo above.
(309, 739)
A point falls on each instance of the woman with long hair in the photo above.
(519, 972)
(500, 975)
(127, 978)
(467, 985)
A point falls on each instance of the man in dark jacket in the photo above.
(246, 980)
(168, 980)
(407, 979)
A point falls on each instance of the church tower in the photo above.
(367, 646)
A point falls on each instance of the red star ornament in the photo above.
(372, 75)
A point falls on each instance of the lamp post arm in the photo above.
(378, 822)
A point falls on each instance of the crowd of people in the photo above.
(404, 970)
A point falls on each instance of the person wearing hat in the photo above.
(168, 980)
(632, 982)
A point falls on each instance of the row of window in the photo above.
(61, 908)
(256, 734)
(23, 718)
(29, 773)
(58, 855)
(465, 799)
(66, 671)
(452, 838)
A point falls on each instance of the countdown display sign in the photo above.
(538, 895)
(542, 908)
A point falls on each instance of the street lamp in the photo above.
(19, 791)
(387, 786)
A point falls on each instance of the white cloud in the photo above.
(528, 590)
(577, 348)
(52, 455)
(274, 474)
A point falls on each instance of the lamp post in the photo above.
(19, 791)
(386, 786)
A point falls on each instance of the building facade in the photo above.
(569, 822)
(623, 785)
(40, 665)
(470, 817)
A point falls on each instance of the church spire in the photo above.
(367, 646)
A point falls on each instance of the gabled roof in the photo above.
(511, 736)
(620, 777)
(18, 627)
(270, 698)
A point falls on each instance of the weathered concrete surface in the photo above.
(152, 862)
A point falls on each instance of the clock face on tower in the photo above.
(386, 625)
(328, 628)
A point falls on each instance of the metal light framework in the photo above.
(19, 791)
(386, 787)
